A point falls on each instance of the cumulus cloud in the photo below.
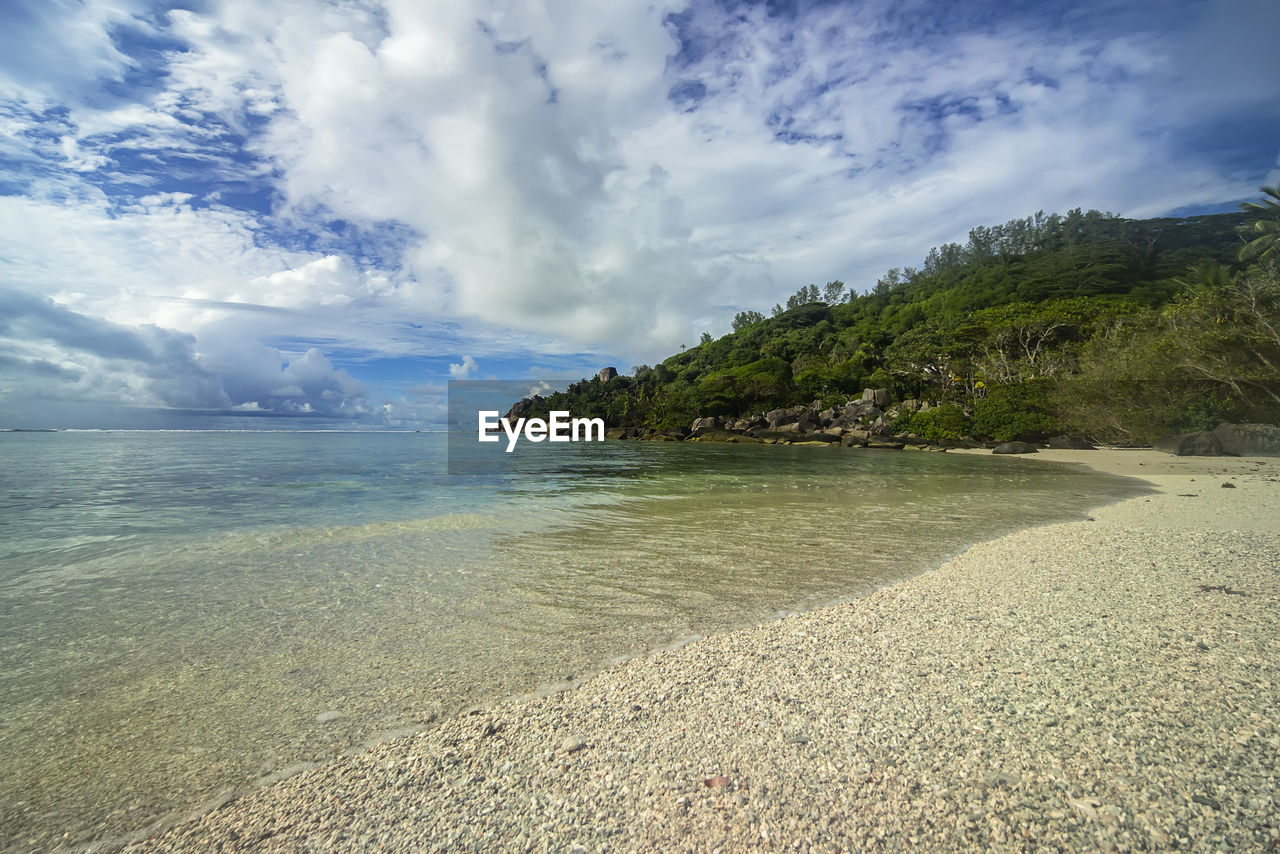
(271, 187)
(464, 369)
(622, 173)
(49, 352)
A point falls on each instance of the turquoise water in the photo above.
(185, 614)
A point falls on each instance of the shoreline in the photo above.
(761, 737)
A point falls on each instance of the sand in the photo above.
(1104, 684)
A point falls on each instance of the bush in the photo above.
(947, 421)
(1015, 411)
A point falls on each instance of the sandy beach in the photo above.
(1110, 684)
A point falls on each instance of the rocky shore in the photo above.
(870, 421)
(1102, 684)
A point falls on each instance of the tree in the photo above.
(1025, 340)
(1266, 244)
(1229, 335)
(937, 355)
(888, 282)
(806, 295)
(705, 339)
(1040, 323)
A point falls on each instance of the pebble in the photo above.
(1027, 695)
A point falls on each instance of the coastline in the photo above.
(1070, 684)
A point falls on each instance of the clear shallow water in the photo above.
(182, 614)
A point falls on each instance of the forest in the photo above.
(1105, 328)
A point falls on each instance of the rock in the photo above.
(1199, 444)
(523, 408)
(607, 374)
(887, 444)
(1248, 440)
(702, 425)
(792, 433)
(816, 437)
(615, 433)
(1069, 443)
(957, 443)
(1086, 807)
(1014, 448)
(572, 744)
(717, 782)
(909, 405)
(1228, 486)
(331, 715)
(1207, 801)
(777, 417)
(851, 412)
(740, 426)
(1000, 778)
(721, 436)
(878, 396)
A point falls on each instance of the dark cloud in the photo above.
(35, 317)
(50, 351)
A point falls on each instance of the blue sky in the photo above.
(305, 213)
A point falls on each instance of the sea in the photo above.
(188, 614)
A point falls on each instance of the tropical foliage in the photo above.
(1120, 330)
(1263, 227)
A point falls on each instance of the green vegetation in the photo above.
(947, 421)
(1264, 227)
(1115, 329)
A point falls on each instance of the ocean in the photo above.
(187, 614)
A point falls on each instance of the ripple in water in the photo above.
(186, 614)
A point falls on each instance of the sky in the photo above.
(302, 213)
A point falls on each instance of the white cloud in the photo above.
(531, 183)
(464, 369)
(49, 352)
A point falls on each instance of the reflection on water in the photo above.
(187, 613)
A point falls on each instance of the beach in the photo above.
(1109, 683)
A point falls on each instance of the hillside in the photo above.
(1115, 329)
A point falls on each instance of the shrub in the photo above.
(947, 421)
(1017, 410)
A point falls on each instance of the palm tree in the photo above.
(1207, 275)
(1267, 227)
